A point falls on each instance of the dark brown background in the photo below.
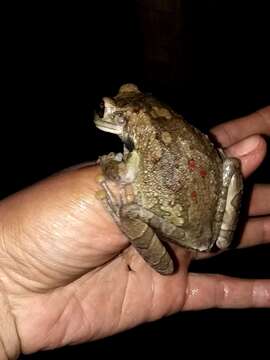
(208, 59)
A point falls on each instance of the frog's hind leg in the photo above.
(148, 245)
(141, 236)
(146, 239)
(229, 204)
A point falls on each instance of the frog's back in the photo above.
(180, 174)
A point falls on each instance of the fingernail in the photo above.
(245, 146)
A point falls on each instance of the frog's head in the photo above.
(114, 114)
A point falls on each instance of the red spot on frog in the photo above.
(203, 172)
(194, 195)
(191, 164)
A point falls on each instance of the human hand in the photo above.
(232, 135)
(70, 276)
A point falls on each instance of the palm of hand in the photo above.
(75, 286)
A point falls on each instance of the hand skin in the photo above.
(68, 275)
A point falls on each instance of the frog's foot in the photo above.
(230, 200)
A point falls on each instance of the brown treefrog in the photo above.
(174, 184)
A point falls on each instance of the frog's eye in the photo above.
(121, 119)
(101, 109)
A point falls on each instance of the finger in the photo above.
(260, 200)
(233, 131)
(256, 232)
(251, 151)
(208, 291)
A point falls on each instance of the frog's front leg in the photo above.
(230, 201)
(120, 170)
(111, 165)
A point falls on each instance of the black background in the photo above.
(57, 62)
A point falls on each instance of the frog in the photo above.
(170, 184)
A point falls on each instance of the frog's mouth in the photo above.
(108, 126)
